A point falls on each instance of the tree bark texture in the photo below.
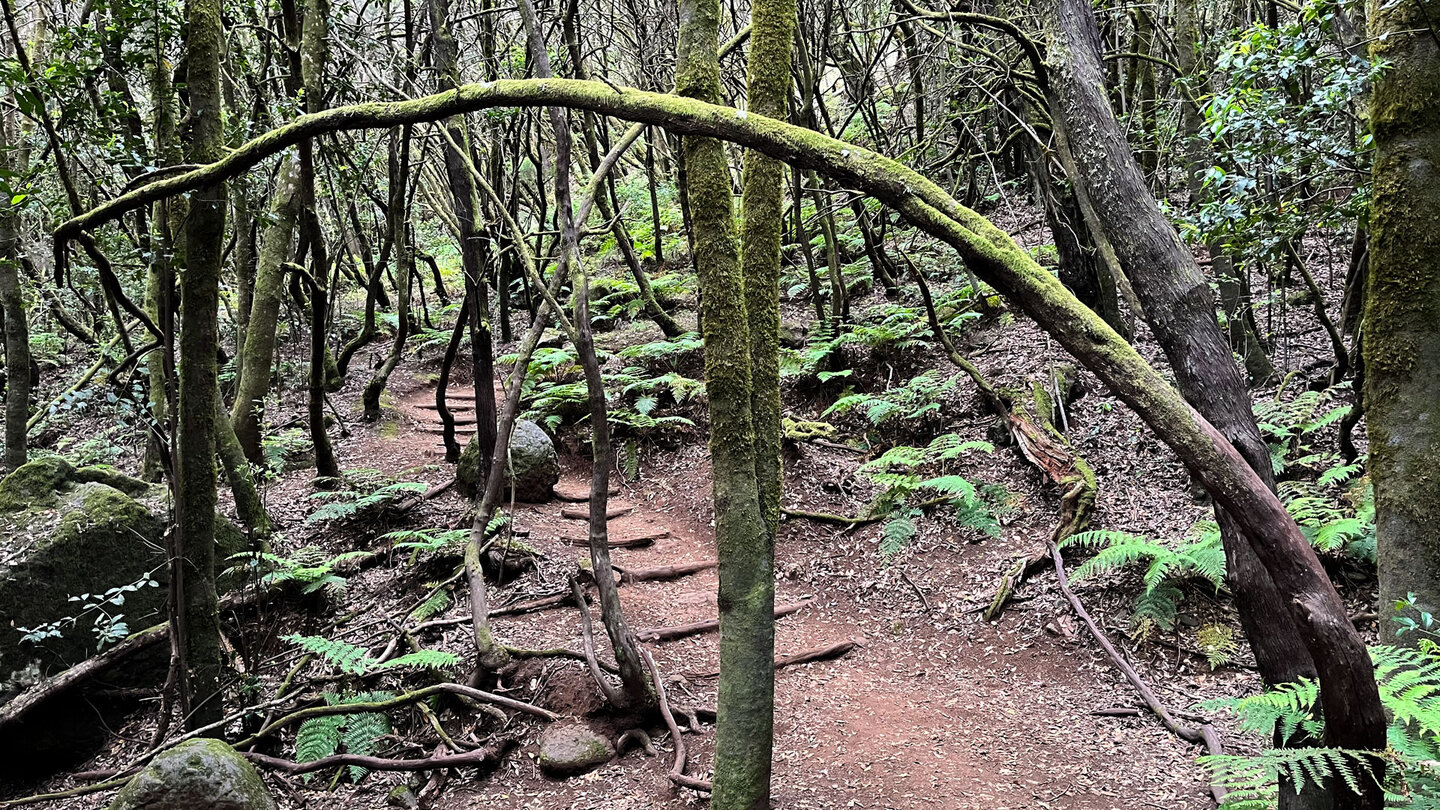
(1402, 343)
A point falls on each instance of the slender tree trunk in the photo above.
(1180, 310)
(399, 217)
(257, 357)
(194, 567)
(1402, 344)
(463, 200)
(744, 737)
(636, 691)
(17, 334)
(745, 734)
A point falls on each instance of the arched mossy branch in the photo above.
(993, 255)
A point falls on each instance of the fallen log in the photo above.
(790, 659)
(683, 630)
(55, 685)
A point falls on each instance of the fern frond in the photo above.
(421, 659)
(341, 655)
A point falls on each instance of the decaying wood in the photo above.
(683, 630)
(790, 659)
(486, 756)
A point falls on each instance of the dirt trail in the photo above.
(933, 709)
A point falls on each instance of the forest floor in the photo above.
(933, 708)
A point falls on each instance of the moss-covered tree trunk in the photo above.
(257, 356)
(17, 332)
(744, 538)
(194, 567)
(1180, 309)
(1402, 343)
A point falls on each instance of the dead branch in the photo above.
(482, 757)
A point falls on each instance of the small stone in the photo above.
(193, 775)
(567, 749)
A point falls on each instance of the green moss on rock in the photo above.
(196, 774)
(36, 484)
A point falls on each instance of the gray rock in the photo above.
(793, 335)
(68, 537)
(196, 775)
(534, 465)
(570, 748)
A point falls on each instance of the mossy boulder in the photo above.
(534, 465)
(571, 748)
(68, 538)
(196, 775)
(35, 484)
(96, 539)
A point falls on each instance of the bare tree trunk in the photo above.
(1180, 309)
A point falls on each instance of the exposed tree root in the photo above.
(677, 769)
(1204, 735)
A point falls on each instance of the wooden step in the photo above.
(579, 492)
(576, 513)
(460, 430)
(629, 541)
(454, 406)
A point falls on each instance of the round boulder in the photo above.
(567, 749)
(534, 465)
(193, 775)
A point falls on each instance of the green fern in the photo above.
(434, 605)
(372, 493)
(309, 568)
(341, 655)
(421, 659)
(1203, 559)
(359, 733)
(1409, 685)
